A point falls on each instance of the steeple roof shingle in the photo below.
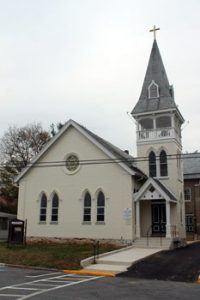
(155, 72)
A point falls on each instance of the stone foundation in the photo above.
(78, 241)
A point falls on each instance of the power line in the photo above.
(99, 161)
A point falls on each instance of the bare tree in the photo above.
(17, 147)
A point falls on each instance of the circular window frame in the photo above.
(66, 170)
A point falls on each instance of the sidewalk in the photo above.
(120, 260)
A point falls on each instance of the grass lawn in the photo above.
(59, 256)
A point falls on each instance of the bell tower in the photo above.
(159, 124)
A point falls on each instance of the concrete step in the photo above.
(152, 242)
(106, 267)
(112, 262)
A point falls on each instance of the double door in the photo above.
(158, 218)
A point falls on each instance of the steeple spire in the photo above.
(156, 91)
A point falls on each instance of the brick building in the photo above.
(191, 163)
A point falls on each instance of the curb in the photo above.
(88, 272)
(198, 280)
(78, 272)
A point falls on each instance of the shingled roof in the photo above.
(121, 155)
(155, 72)
(191, 165)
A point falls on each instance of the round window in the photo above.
(72, 163)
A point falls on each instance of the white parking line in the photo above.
(10, 295)
(45, 274)
(57, 287)
(23, 288)
(44, 285)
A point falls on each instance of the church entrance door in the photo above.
(158, 219)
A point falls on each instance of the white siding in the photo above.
(113, 180)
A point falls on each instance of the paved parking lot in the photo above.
(20, 284)
(43, 285)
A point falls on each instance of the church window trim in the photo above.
(179, 165)
(54, 207)
(43, 208)
(153, 90)
(152, 164)
(100, 207)
(187, 194)
(87, 207)
(72, 164)
(163, 163)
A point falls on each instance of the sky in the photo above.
(86, 59)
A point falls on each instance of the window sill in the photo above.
(100, 223)
(86, 223)
(163, 177)
(54, 222)
(42, 222)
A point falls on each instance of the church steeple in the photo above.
(159, 146)
(156, 94)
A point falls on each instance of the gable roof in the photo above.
(155, 72)
(158, 185)
(191, 165)
(115, 154)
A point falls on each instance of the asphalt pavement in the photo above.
(182, 264)
(21, 284)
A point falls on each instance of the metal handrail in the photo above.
(173, 231)
(148, 232)
(148, 235)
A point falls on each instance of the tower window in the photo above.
(152, 164)
(146, 123)
(163, 163)
(163, 122)
(153, 90)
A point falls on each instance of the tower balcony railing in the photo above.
(161, 133)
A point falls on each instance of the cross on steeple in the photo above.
(154, 31)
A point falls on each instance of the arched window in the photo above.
(43, 208)
(100, 207)
(163, 164)
(153, 90)
(152, 164)
(54, 210)
(87, 208)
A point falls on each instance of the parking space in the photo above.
(34, 283)
(20, 284)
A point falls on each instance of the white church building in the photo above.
(81, 186)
